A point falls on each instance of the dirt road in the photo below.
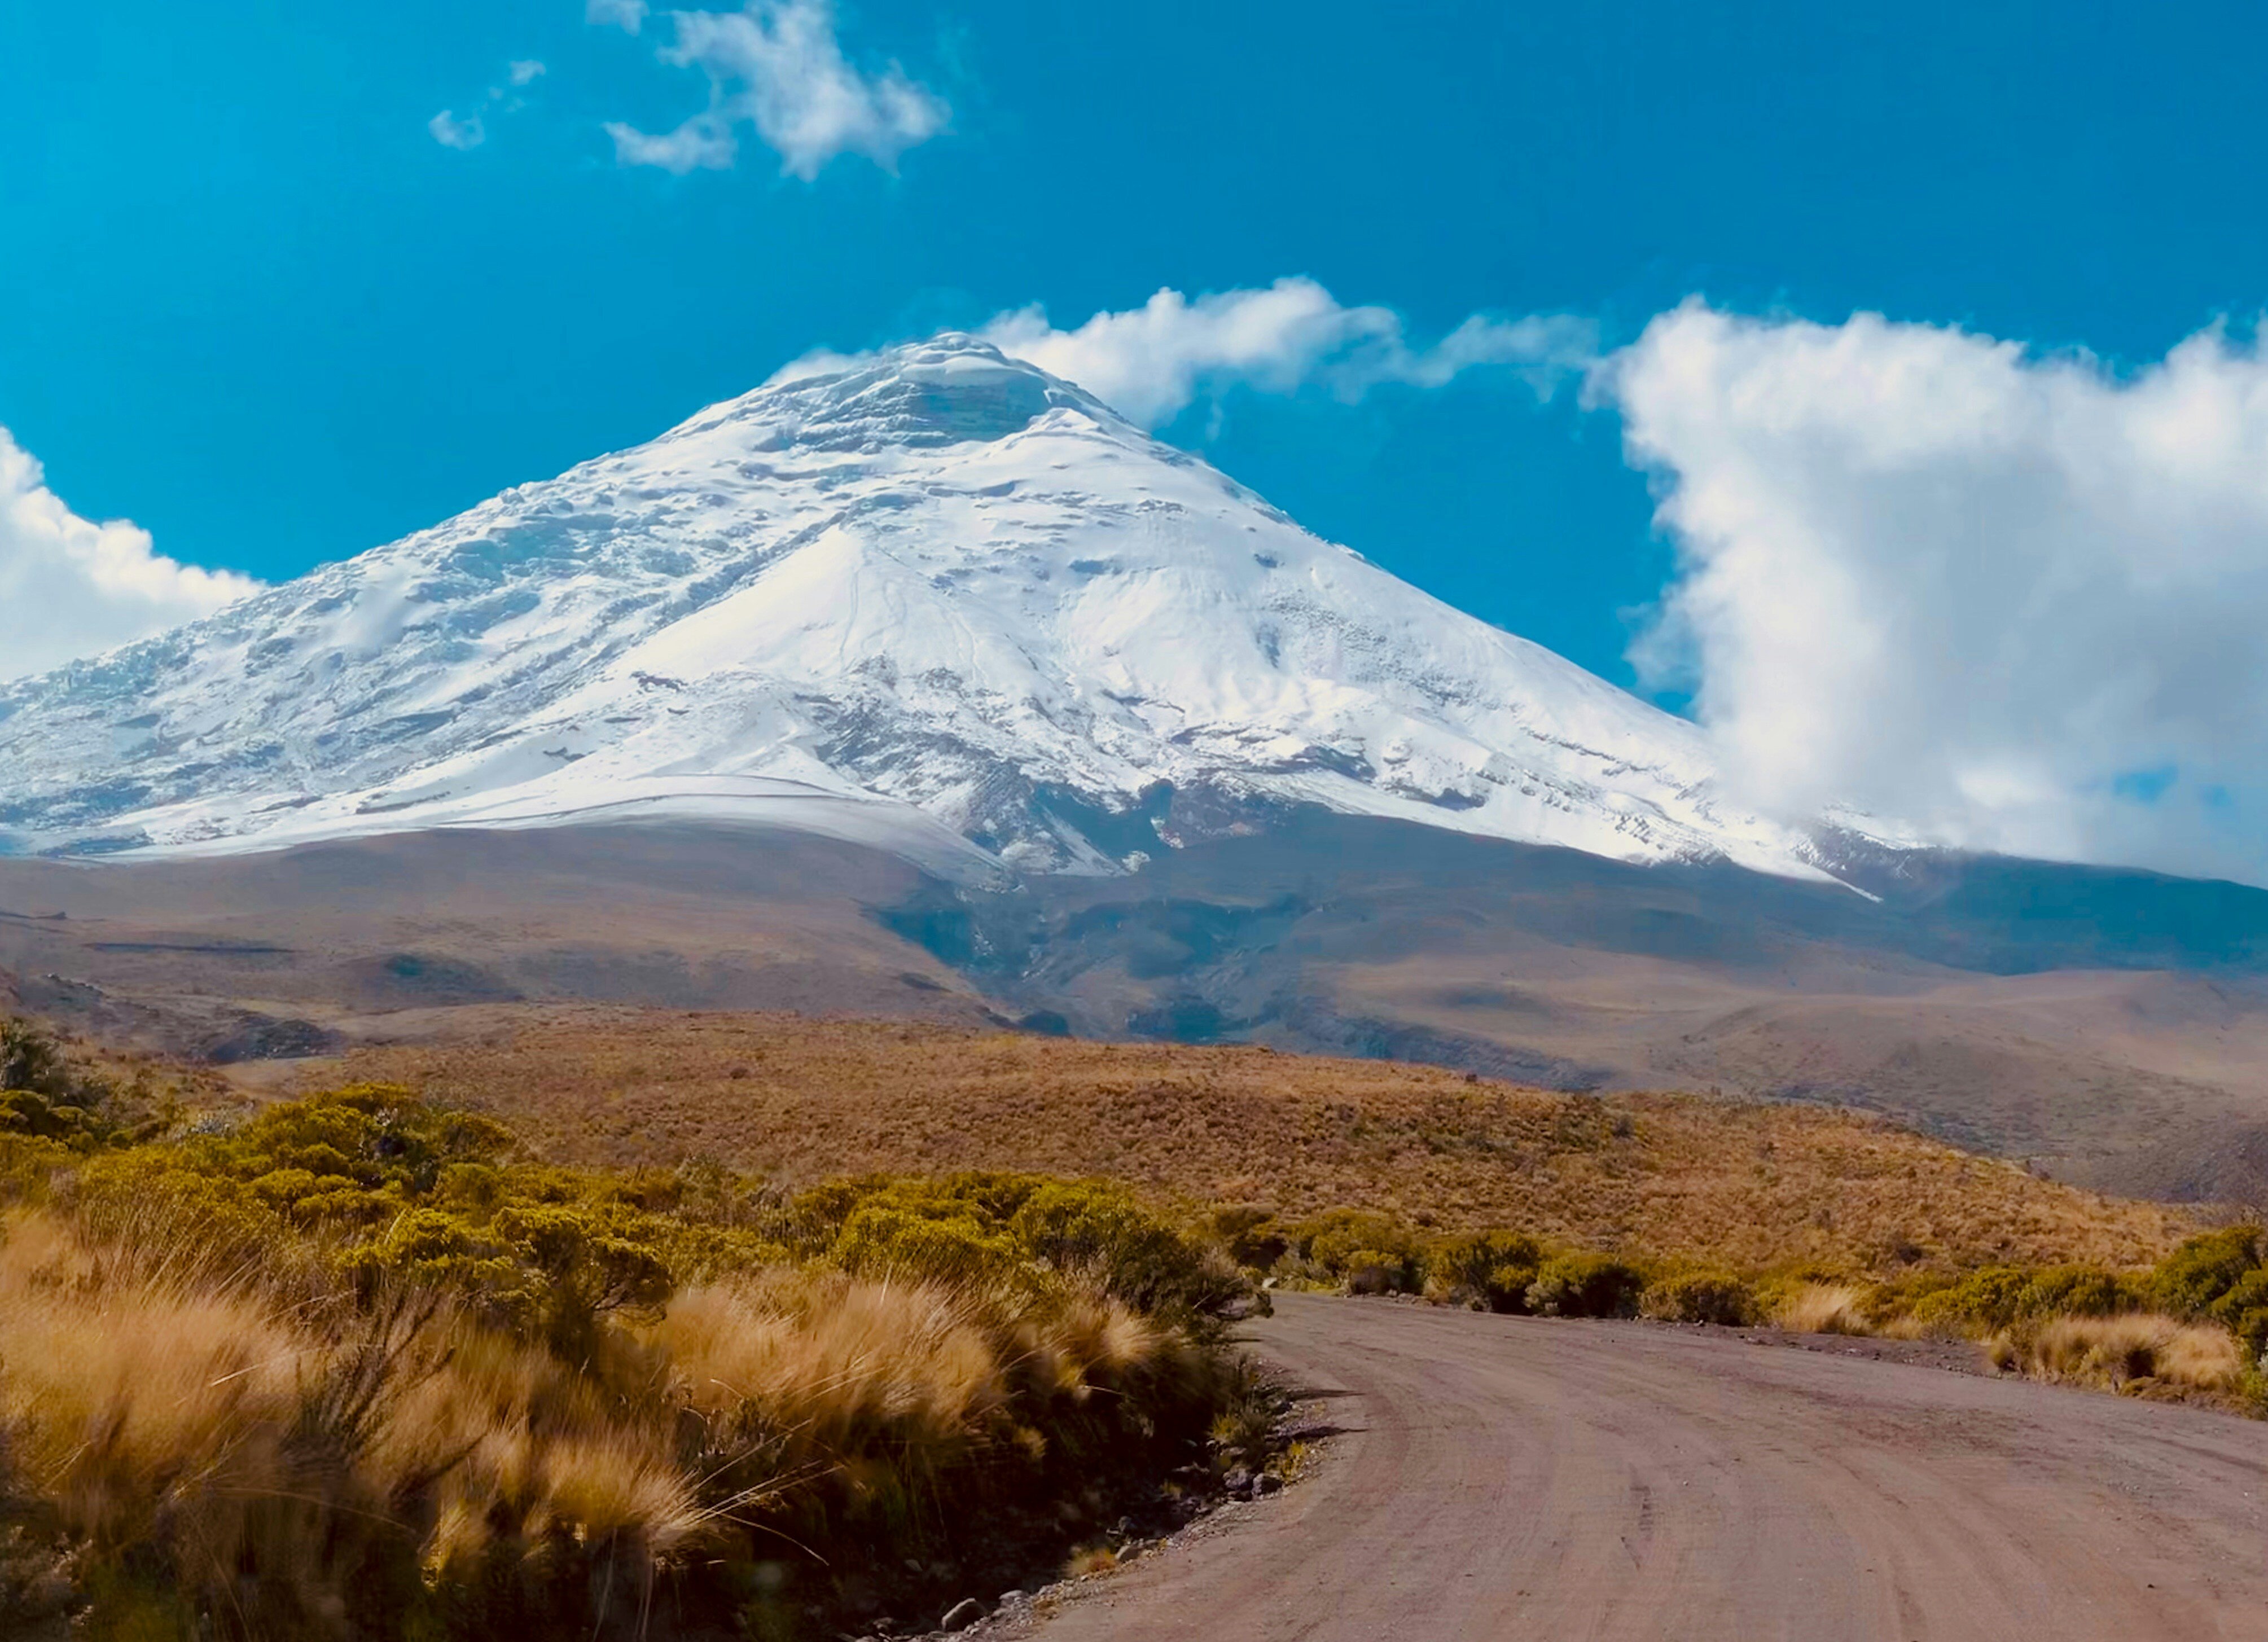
(1507, 1478)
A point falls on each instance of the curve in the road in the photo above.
(1508, 1477)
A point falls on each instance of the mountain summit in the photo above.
(934, 597)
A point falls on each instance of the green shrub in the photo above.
(2076, 1292)
(2190, 1280)
(1491, 1268)
(1101, 1231)
(1985, 1299)
(1017, 1228)
(1715, 1297)
(1356, 1246)
(2243, 1311)
(44, 1097)
(30, 1060)
(884, 1241)
(1585, 1286)
(1252, 1236)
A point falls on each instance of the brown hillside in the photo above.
(797, 1098)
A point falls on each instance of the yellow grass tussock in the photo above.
(138, 1396)
(183, 1423)
(1821, 1308)
(2136, 1350)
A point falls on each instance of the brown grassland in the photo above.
(624, 1323)
(795, 1099)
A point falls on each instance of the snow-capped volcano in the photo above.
(935, 598)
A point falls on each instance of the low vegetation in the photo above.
(2194, 1323)
(363, 1364)
(355, 1367)
(1678, 1208)
(1724, 1184)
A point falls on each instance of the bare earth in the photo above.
(1508, 1477)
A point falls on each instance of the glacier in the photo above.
(932, 599)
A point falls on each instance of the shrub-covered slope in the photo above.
(1728, 1183)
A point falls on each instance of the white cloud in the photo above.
(450, 132)
(702, 143)
(627, 15)
(468, 131)
(2017, 601)
(1150, 362)
(777, 66)
(73, 587)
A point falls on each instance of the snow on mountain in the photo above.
(936, 600)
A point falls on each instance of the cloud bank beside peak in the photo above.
(2018, 602)
(74, 587)
(1150, 362)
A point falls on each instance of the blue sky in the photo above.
(253, 303)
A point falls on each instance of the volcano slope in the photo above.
(1504, 1477)
(922, 684)
(2107, 1029)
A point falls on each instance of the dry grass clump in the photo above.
(1820, 1308)
(354, 1369)
(2132, 1353)
(832, 1358)
(1744, 1187)
(2195, 1324)
(212, 1458)
(889, 1387)
(1090, 1560)
(167, 1420)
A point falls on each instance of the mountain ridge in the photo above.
(934, 599)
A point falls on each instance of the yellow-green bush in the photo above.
(1250, 1235)
(1371, 1252)
(1490, 1268)
(1012, 1228)
(46, 1096)
(1984, 1300)
(1127, 1251)
(480, 1396)
(2078, 1290)
(882, 1240)
(2192, 1279)
(1715, 1297)
(1585, 1286)
(2219, 1277)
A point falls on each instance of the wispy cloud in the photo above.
(450, 131)
(775, 67)
(2017, 599)
(1150, 362)
(627, 15)
(91, 586)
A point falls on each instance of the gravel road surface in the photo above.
(1509, 1477)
